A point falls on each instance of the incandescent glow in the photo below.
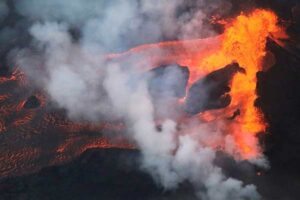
(243, 41)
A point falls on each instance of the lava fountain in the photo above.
(244, 42)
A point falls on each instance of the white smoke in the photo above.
(172, 159)
(78, 79)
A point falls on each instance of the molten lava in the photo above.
(26, 131)
(244, 42)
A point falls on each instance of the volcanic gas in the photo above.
(215, 91)
(197, 97)
(244, 42)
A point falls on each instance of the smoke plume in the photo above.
(65, 57)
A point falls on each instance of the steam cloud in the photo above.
(65, 59)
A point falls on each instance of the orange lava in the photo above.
(243, 41)
(29, 135)
(185, 53)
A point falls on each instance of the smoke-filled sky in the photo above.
(60, 45)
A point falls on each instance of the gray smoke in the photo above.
(76, 76)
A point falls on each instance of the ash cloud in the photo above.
(75, 75)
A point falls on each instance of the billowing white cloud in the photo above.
(76, 77)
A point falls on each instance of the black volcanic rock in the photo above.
(279, 99)
(113, 174)
(109, 174)
(211, 91)
(32, 102)
(4, 71)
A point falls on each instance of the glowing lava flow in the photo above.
(185, 53)
(243, 41)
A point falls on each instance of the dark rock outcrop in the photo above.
(211, 92)
(32, 102)
(96, 174)
(279, 99)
